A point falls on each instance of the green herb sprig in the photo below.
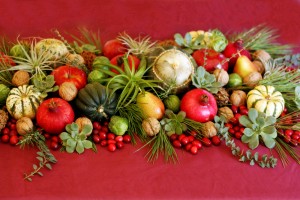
(248, 156)
(45, 157)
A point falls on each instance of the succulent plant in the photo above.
(188, 44)
(258, 125)
(74, 140)
(203, 79)
(173, 123)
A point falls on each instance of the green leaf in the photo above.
(40, 173)
(40, 153)
(248, 132)
(244, 120)
(178, 130)
(79, 147)
(270, 131)
(248, 154)
(71, 142)
(256, 156)
(260, 121)
(68, 128)
(188, 38)
(269, 142)
(181, 115)
(87, 144)
(252, 162)
(74, 127)
(270, 120)
(40, 158)
(34, 166)
(253, 114)
(70, 149)
(64, 136)
(179, 39)
(48, 165)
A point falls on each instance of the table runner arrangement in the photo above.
(189, 92)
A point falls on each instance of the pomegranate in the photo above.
(199, 105)
(54, 114)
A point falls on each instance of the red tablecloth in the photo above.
(211, 174)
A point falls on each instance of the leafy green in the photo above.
(45, 85)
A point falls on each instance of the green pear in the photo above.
(244, 66)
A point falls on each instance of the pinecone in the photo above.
(222, 97)
(89, 58)
(3, 119)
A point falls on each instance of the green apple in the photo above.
(235, 80)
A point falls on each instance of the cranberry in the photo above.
(238, 135)
(176, 143)
(234, 109)
(242, 129)
(5, 138)
(54, 145)
(229, 125)
(242, 107)
(47, 136)
(191, 138)
(96, 131)
(96, 125)
(236, 128)
(287, 138)
(13, 132)
(285, 110)
(295, 137)
(244, 111)
(126, 139)
(216, 140)
(105, 129)
(13, 120)
(13, 140)
(206, 142)
(96, 139)
(197, 143)
(103, 143)
(181, 136)
(120, 144)
(297, 133)
(110, 141)
(119, 138)
(12, 126)
(188, 146)
(194, 150)
(173, 137)
(102, 135)
(111, 136)
(54, 139)
(184, 140)
(234, 120)
(111, 147)
(5, 131)
(288, 132)
(231, 131)
(237, 116)
(106, 123)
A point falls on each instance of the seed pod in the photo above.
(3, 119)
(151, 126)
(221, 76)
(20, 78)
(226, 112)
(209, 130)
(81, 121)
(238, 98)
(68, 91)
(24, 125)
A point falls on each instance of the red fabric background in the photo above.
(212, 174)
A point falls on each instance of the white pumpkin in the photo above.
(54, 48)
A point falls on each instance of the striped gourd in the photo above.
(23, 101)
(266, 99)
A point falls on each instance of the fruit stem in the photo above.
(52, 106)
(203, 99)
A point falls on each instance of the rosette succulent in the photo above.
(258, 125)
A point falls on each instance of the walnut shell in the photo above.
(238, 98)
(24, 125)
(20, 78)
(209, 130)
(261, 55)
(3, 119)
(151, 126)
(225, 112)
(252, 79)
(259, 66)
(81, 121)
(67, 91)
(221, 76)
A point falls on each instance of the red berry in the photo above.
(126, 138)
(105, 129)
(188, 146)
(96, 139)
(102, 135)
(297, 133)
(54, 139)
(236, 128)
(96, 131)
(234, 120)
(111, 136)
(194, 150)
(288, 132)
(103, 143)
(111, 147)
(216, 140)
(13, 140)
(197, 143)
(242, 129)
(244, 111)
(5, 131)
(119, 138)
(13, 132)
(13, 120)
(184, 141)
(238, 135)
(110, 141)
(287, 138)
(47, 136)
(231, 131)
(234, 109)
(295, 137)
(191, 138)
(229, 125)
(294, 142)
(176, 143)
(106, 123)
(173, 137)
(237, 116)
(193, 133)
(12, 126)
(120, 144)
(285, 110)
(206, 142)
(181, 136)
(242, 107)
(54, 145)
(96, 125)
(5, 138)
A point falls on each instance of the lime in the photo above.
(172, 102)
(234, 80)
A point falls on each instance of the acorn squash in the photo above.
(96, 102)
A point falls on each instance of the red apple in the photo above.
(232, 49)
(113, 48)
(118, 61)
(214, 60)
(68, 73)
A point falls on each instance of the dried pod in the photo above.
(221, 76)
(238, 98)
(68, 91)
(20, 78)
(252, 79)
(24, 125)
(81, 121)
(209, 130)
(151, 126)
(261, 55)
(259, 66)
(3, 119)
(225, 112)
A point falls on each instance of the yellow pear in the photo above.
(244, 66)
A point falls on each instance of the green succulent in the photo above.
(187, 43)
(205, 80)
(258, 126)
(73, 140)
(173, 123)
(45, 84)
